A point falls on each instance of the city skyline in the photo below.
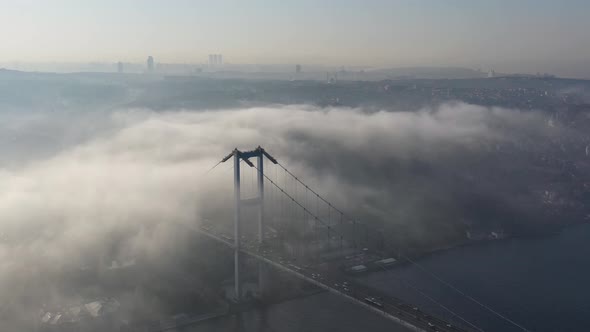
(527, 36)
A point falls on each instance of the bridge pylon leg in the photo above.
(237, 277)
(263, 273)
(261, 198)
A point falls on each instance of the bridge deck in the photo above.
(337, 283)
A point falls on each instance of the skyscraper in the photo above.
(150, 64)
(297, 69)
(120, 67)
(215, 59)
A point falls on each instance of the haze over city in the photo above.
(507, 36)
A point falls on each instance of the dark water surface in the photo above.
(320, 312)
(543, 284)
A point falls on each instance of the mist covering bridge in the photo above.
(300, 232)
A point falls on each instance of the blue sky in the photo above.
(505, 34)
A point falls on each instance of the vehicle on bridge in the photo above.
(373, 301)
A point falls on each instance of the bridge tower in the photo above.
(258, 201)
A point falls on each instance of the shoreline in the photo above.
(469, 243)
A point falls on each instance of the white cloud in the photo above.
(138, 171)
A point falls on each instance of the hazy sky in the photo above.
(524, 34)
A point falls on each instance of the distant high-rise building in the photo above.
(150, 64)
(298, 69)
(215, 59)
(331, 77)
(492, 73)
(120, 67)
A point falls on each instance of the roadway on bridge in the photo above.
(336, 281)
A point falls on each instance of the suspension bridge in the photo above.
(300, 232)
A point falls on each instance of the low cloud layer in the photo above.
(74, 187)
